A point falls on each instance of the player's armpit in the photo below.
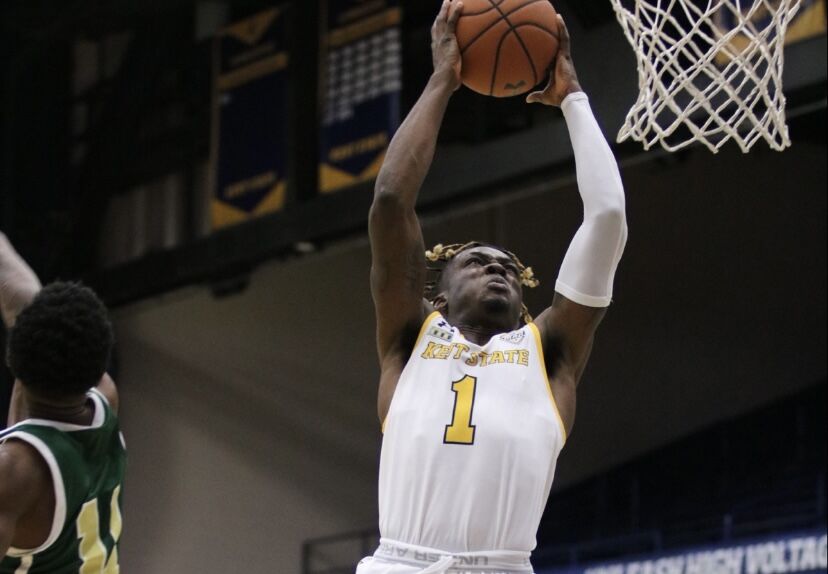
(7, 525)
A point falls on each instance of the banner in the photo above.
(808, 22)
(251, 124)
(362, 80)
(792, 554)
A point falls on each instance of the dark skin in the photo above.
(481, 291)
(27, 496)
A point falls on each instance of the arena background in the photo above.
(245, 354)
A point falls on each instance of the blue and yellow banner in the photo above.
(362, 81)
(808, 22)
(251, 94)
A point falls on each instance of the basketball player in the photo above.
(62, 458)
(476, 401)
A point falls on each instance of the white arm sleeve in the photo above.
(588, 269)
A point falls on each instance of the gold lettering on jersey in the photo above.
(442, 352)
(460, 351)
(523, 358)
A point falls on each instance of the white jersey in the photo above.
(470, 443)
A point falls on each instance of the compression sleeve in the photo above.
(588, 269)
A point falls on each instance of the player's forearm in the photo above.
(18, 283)
(588, 270)
(411, 150)
(599, 181)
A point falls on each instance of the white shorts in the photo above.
(397, 558)
(371, 565)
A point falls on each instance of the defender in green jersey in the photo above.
(62, 458)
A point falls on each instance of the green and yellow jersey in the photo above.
(87, 464)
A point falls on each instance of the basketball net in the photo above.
(708, 71)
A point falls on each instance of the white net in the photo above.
(708, 71)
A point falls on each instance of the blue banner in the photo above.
(803, 553)
(362, 80)
(251, 124)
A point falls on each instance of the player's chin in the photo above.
(497, 300)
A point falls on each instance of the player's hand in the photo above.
(444, 49)
(563, 80)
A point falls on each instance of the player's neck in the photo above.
(76, 410)
(480, 334)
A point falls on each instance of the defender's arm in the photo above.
(18, 283)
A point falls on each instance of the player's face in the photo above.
(487, 280)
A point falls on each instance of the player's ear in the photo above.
(440, 303)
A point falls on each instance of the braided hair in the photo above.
(445, 253)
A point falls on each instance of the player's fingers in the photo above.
(540, 95)
(443, 14)
(440, 20)
(534, 97)
(564, 36)
(454, 15)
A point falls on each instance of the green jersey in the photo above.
(87, 464)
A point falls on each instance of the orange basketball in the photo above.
(507, 45)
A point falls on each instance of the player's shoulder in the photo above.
(109, 392)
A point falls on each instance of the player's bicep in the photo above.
(17, 481)
(569, 328)
(398, 269)
(7, 526)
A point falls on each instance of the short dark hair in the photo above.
(61, 342)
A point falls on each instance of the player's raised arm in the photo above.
(584, 286)
(18, 283)
(398, 261)
(18, 286)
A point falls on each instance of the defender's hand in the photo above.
(444, 49)
(563, 80)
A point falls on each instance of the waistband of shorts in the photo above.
(490, 562)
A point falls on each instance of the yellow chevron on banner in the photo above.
(251, 30)
(332, 179)
(366, 27)
(223, 214)
(259, 69)
(273, 201)
(808, 23)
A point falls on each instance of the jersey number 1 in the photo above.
(461, 431)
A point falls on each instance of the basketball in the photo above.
(507, 45)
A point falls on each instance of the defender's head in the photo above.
(60, 344)
(481, 284)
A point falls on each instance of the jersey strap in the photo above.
(541, 357)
